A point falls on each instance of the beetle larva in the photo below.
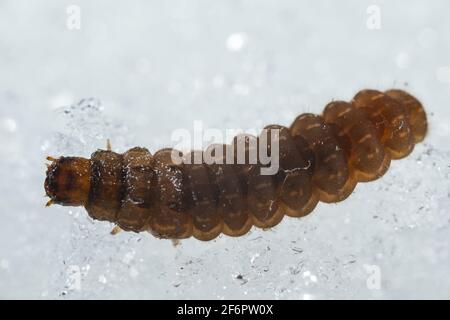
(321, 158)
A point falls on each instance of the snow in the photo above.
(136, 72)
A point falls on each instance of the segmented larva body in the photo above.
(321, 158)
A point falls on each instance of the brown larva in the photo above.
(321, 158)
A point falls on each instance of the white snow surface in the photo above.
(137, 70)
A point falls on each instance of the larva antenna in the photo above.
(49, 203)
(50, 158)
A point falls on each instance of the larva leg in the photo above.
(116, 230)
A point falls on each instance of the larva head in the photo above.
(68, 181)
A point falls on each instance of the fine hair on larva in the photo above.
(321, 158)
